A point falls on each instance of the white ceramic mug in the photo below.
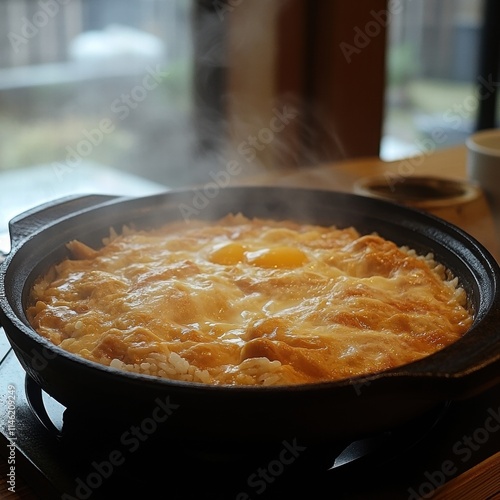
(483, 166)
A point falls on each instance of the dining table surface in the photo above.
(343, 175)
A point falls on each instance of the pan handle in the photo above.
(27, 223)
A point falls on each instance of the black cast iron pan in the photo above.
(314, 412)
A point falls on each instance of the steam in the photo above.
(247, 125)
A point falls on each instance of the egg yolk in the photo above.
(273, 257)
(228, 255)
(277, 257)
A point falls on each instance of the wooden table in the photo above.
(342, 176)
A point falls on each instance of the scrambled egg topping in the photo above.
(248, 301)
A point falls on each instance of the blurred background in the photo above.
(434, 73)
(95, 92)
(65, 66)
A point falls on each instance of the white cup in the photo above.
(483, 166)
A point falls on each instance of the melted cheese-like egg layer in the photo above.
(241, 301)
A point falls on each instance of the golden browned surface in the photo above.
(242, 301)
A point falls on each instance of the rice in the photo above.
(255, 371)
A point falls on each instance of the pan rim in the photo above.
(400, 371)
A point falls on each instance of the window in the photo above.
(435, 83)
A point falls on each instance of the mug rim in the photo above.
(473, 142)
